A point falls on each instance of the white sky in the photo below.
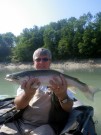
(15, 15)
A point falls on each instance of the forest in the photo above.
(73, 38)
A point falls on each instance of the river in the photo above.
(91, 76)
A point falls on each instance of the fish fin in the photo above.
(95, 90)
(91, 92)
(88, 91)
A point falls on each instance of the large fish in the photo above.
(45, 76)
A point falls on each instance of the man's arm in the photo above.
(22, 100)
(66, 103)
(59, 86)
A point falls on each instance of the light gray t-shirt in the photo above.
(38, 111)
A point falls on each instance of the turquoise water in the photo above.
(92, 77)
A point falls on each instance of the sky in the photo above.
(16, 15)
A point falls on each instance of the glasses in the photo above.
(42, 59)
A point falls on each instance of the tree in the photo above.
(27, 43)
(7, 41)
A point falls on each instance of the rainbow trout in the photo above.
(45, 76)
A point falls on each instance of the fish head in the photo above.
(9, 77)
(16, 78)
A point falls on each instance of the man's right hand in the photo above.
(22, 100)
(30, 86)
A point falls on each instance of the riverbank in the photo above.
(70, 65)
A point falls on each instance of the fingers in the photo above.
(58, 82)
(23, 85)
(55, 82)
(59, 86)
(63, 80)
(31, 84)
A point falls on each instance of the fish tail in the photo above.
(90, 92)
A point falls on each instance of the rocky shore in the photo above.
(70, 65)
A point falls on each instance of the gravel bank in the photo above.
(70, 65)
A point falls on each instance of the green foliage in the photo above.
(27, 42)
(63, 49)
(7, 41)
(66, 39)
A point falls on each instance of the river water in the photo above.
(91, 76)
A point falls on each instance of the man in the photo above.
(42, 116)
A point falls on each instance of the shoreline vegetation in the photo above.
(69, 64)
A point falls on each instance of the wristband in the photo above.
(65, 100)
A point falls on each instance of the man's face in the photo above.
(42, 62)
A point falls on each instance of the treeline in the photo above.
(67, 39)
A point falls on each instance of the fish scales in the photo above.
(45, 76)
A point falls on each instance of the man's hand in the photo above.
(59, 86)
(30, 85)
(22, 100)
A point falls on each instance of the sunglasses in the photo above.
(42, 59)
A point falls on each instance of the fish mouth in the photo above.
(11, 78)
(8, 79)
